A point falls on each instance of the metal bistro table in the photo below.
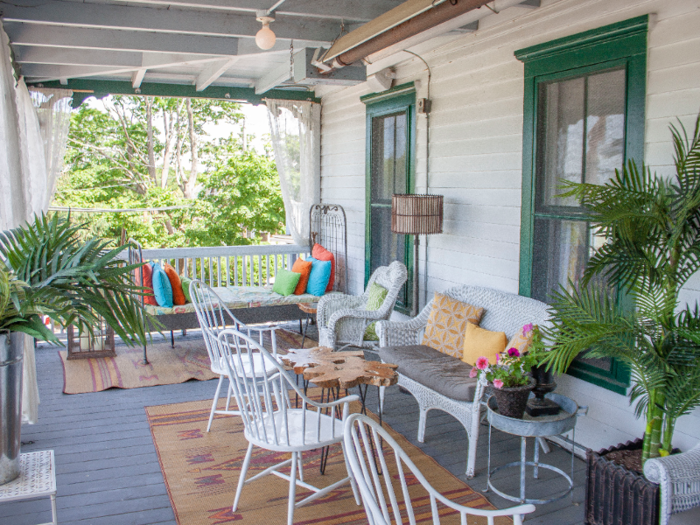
(537, 427)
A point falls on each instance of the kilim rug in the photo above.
(201, 474)
(167, 366)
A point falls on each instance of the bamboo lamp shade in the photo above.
(416, 214)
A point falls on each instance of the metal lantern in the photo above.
(98, 344)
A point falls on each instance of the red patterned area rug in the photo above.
(167, 366)
(201, 473)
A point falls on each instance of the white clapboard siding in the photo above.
(476, 154)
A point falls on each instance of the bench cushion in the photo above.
(445, 374)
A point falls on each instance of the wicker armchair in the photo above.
(343, 319)
(679, 477)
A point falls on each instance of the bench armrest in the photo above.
(402, 333)
(679, 477)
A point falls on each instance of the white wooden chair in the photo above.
(343, 319)
(273, 424)
(214, 316)
(361, 436)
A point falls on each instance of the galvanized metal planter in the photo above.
(617, 496)
(11, 356)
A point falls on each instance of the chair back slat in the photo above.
(361, 452)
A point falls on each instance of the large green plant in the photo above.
(652, 227)
(47, 269)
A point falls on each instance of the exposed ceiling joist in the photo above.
(112, 16)
(93, 57)
(212, 72)
(137, 78)
(273, 79)
(87, 38)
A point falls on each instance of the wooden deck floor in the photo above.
(108, 471)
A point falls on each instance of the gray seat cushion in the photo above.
(445, 374)
(689, 517)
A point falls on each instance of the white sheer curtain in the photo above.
(296, 136)
(26, 184)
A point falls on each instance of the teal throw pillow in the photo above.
(186, 287)
(377, 294)
(162, 288)
(285, 282)
(319, 277)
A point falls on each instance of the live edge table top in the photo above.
(329, 369)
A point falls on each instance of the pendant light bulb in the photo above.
(265, 38)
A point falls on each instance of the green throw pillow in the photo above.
(285, 282)
(186, 287)
(377, 294)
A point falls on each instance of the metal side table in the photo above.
(37, 478)
(537, 427)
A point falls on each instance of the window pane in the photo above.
(605, 140)
(560, 131)
(385, 246)
(388, 157)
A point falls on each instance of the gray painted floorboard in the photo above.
(108, 471)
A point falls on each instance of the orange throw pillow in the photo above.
(176, 284)
(304, 268)
(320, 253)
(149, 298)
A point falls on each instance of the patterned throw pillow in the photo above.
(447, 324)
(377, 294)
(522, 339)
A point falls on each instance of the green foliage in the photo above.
(513, 367)
(51, 271)
(107, 166)
(652, 226)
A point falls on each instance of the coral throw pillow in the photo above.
(149, 298)
(175, 284)
(320, 253)
(522, 339)
(479, 341)
(161, 287)
(447, 324)
(304, 268)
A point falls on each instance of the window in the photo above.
(389, 166)
(583, 118)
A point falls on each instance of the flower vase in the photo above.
(513, 400)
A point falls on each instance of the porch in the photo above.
(108, 470)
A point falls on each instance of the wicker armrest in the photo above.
(329, 304)
(679, 477)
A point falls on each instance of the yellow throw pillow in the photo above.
(522, 340)
(447, 324)
(479, 341)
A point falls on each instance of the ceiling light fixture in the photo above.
(265, 38)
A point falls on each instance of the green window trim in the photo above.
(623, 44)
(398, 99)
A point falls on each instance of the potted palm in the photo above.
(652, 227)
(47, 270)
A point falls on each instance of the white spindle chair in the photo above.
(361, 433)
(273, 424)
(214, 316)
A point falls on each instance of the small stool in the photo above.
(37, 478)
(310, 310)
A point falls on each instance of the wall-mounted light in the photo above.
(265, 38)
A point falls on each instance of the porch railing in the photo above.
(229, 265)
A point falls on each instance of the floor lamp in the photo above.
(416, 215)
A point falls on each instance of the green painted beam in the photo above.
(85, 88)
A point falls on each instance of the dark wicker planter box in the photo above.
(617, 496)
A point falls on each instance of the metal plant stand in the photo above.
(537, 427)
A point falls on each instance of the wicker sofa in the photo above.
(440, 381)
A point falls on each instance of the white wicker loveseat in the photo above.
(679, 477)
(440, 381)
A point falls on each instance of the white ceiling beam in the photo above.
(91, 57)
(137, 77)
(212, 72)
(86, 38)
(111, 16)
(348, 10)
(273, 79)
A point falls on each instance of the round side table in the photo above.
(537, 427)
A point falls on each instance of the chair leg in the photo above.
(422, 418)
(228, 396)
(215, 402)
(473, 438)
(292, 490)
(301, 467)
(241, 480)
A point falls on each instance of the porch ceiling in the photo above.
(198, 43)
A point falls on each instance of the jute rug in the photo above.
(201, 474)
(167, 366)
